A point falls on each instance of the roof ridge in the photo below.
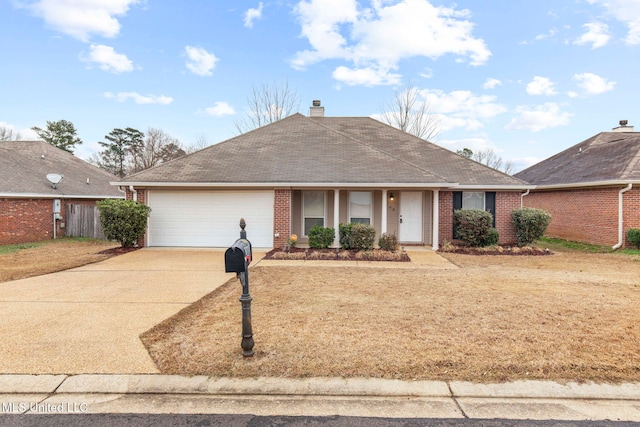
(378, 149)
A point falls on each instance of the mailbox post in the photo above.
(237, 259)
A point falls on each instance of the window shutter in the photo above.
(490, 204)
(457, 204)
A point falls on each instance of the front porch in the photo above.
(410, 214)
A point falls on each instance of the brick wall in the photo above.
(506, 202)
(141, 197)
(31, 220)
(587, 215)
(281, 217)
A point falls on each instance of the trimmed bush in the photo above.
(345, 235)
(633, 236)
(321, 237)
(388, 242)
(362, 237)
(530, 224)
(472, 226)
(124, 221)
(492, 237)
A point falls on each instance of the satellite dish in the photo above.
(54, 179)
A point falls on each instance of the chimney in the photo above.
(316, 110)
(623, 127)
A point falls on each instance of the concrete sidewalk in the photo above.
(538, 400)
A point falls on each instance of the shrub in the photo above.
(321, 237)
(492, 238)
(530, 224)
(124, 221)
(472, 225)
(362, 237)
(388, 242)
(345, 235)
(633, 236)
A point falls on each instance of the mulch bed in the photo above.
(336, 255)
(497, 250)
(119, 250)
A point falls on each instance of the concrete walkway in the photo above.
(537, 400)
(79, 329)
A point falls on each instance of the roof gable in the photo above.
(323, 150)
(607, 156)
(24, 166)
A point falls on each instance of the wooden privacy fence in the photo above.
(83, 221)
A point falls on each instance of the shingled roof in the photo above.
(24, 166)
(324, 150)
(605, 157)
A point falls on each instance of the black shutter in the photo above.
(457, 204)
(490, 204)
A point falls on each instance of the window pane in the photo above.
(360, 206)
(314, 204)
(309, 223)
(473, 200)
(361, 220)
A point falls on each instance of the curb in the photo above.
(354, 387)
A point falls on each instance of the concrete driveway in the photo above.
(88, 319)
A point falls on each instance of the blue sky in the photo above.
(525, 78)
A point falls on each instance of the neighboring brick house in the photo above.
(27, 197)
(592, 190)
(301, 171)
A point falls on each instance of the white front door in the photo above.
(411, 216)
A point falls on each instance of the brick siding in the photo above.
(141, 197)
(31, 220)
(281, 217)
(506, 202)
(587, 215)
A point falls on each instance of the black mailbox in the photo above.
(236, 255)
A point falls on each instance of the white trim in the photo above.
(336, 217)
(328, 185)
(54, 196)
(586, 184)
(462, 187)
(383, 219)
(436, 220)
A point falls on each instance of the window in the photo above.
(312, 210)
(473, 200)
(360, 207)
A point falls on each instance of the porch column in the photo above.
(385, 208)
(336, 217)
(436, 220)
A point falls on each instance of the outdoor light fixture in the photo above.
(391, 196)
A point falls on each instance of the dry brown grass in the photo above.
(563, 317)
(51, 256)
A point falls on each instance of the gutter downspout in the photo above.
(522, 197)
(620, 218)
(134, 193)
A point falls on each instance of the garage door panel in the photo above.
(209, 218)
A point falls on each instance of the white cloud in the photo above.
(200, 61)
(462, 109)
(626, 11)
(593, 84)
(220, 109)
(541, 86)
(108, 59)
(491, 83)
(538, 118)
(597, 34)
(139, 99)
(27, 134)
(376, 38)
(82, 18)
(252, 14)
(365, 76)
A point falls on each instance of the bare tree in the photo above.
(488, 157)
(268, 104)
(7, 134)
(410, 112)
(157, 147)
(200, 143)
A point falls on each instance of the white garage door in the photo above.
(209, 218)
